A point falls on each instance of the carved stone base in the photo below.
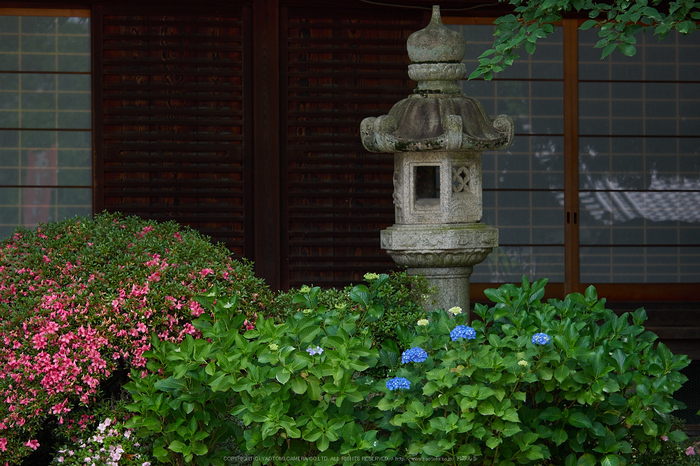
(451, 284)
(444, 254)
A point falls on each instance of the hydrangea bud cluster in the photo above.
(414, 355)
(541, 339)
(462, 331)
(398, 383)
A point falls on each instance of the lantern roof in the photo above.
(438, 115)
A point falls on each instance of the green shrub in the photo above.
(79, 300)
(282, 380)
(560, 383)
(402, 298)
(568, 382)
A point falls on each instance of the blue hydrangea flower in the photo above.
(414, 355)
(397, 383)
(462, 331)
(541, 339)
(312, 351)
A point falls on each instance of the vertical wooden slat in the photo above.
(266, 140)
(571, 184)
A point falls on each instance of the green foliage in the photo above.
(559, 383)
(507, 400)
(618, 22)
(294, 385)
(399, 295)
(179, 403)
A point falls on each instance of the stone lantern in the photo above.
(437, 136)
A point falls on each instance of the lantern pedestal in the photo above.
(443, 254)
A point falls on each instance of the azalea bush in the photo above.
(526, 382)
(79, 301)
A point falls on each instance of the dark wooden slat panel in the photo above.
(173, 159)
(173, 88)
(165, 146)
(125, 112)
(338, 196)
(344, 49)
(177, 97)
(335, 266)
(324, 42)
(192, 138)
(168, 210)
(153, 121)
(170, 169)
(194, 88)
(331, 234)
(206, 44)
(362, 99)
(198, 69)
(144, 190)
(349, 210)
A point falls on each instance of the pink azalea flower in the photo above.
(33, 444)
(690, 451)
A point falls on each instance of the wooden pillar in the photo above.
(266, 149)
(571, 254)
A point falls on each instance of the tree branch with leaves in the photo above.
(618, 22)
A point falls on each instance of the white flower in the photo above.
(455, 310)
(422, 322)
(522, 362)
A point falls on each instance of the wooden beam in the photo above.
(98, 146)
(266, 142)
(571, 220)
(63, 12)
